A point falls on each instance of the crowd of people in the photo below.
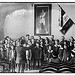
(28, 53)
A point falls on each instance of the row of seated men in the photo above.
(28, 53)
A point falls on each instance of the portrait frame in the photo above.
(42, 19)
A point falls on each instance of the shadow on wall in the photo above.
(19, 23)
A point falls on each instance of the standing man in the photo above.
(37, 55)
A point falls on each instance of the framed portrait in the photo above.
(42, 19)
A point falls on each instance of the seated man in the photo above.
(72, 60)
(49, 53)
(65, 53)
(55, 58)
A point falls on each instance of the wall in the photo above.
(21, 25)
(70, 11)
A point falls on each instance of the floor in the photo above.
(32, 71)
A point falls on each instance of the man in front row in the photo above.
(37, 55)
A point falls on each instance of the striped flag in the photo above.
(65, 21)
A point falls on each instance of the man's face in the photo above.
(1, 48)
(27, 45)
(13, 43)
(42, 11)
(46, 41)
(37, 44)
(24, 45)
(27, 37)
(6, 41)
(32, 41)
(65, 46)
(64, 43)
(71, 38)
(29, 42)
(52, 37)
(23, 37)
(18, 43)
(49, 47)
(12, 47)
(32, 37)
(39, 37)
(62, 38)
(70, 43)
(74, 44)
(56, 42)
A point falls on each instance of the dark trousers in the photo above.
(23, 67)
(12, 65)
(37, 61)
(31, 64)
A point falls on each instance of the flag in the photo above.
(65, 21)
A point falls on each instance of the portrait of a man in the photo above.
(42, 19)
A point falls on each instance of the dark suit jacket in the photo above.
(55, 51)
(23, 54)
(37, 53)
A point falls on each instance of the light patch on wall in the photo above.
(19, 13)
(18, 23)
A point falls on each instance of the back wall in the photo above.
(17, 19)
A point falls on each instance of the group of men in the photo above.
(28, 53)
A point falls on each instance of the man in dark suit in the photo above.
(37, 54)
(72, 60)
(22, 40)
(55, 52)
(32, 50)
(62, 41)
(27, 37)
(52, 41)
(23, 56)
(61, 50)
(18, 56)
